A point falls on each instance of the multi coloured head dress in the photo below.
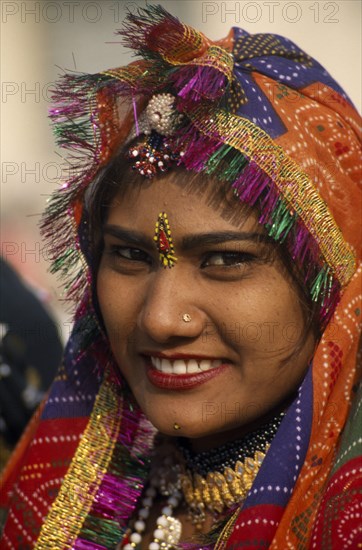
(260, 114)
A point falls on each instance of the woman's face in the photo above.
(240, 357)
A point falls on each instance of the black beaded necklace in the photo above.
(217, 459)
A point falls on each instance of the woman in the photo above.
(207, 394)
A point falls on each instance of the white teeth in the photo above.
(166, 366)
(192, 366)
(205, 364)
(156, 362)
(179, 366)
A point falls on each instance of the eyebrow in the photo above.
(219, 237)
(188, 242)
(131, 236)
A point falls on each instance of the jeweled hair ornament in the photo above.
(158, 121)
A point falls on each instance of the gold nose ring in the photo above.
(186, 317)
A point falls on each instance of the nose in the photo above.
(170, 309)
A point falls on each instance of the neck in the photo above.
(201, 444)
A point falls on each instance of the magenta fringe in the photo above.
(197, 150)
(120, 490)
(198, 83)
(141, 32)
(82, 544)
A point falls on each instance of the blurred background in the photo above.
(40, 39)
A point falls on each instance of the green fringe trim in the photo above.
(226, 163)
(104, 532)
(322, 284)
(282, 222)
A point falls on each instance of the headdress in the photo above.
(259, 113)
(270, 129)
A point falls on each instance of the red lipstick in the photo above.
(178, 382)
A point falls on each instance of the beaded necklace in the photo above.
(219, 458)
(210, 481)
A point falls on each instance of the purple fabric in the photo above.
(279, 471)
(285, 69)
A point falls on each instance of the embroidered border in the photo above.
(89, 464)
(294, 184)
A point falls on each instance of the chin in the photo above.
(177, 425)
(192, 428)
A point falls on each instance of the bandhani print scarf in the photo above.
(292, 140)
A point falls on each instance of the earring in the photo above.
(163, 241)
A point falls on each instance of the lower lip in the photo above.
(182, 381)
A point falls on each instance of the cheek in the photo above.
(104, 295)
(116, 310)
(264, 317)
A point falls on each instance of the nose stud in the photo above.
(186, 317)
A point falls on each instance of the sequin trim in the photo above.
(129, 74)
(294, 184)
(85, 474)
(216, 57)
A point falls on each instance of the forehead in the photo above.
(188, 202)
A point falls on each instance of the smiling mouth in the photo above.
(184, 366)
(182, 373)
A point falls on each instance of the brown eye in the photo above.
(129, 253)
(227, 259)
